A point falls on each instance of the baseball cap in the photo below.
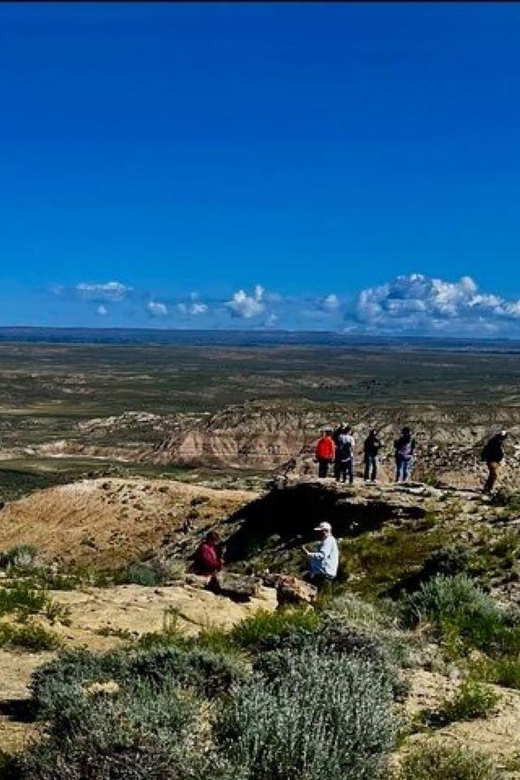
(323, 527)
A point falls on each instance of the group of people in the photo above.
(337, 449)
(323, 563)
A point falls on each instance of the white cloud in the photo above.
(195, 309)
(424, 304)
(157, 309)
(330, 303)
(247, 306)
(109, 291)
(102, 310)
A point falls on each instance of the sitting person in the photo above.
(323, 564)
(209, 557)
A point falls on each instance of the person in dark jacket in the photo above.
(209, 557)
(493, 454)
(371, 454)
(404, 448)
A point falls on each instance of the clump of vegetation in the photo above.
(501, 671)
(147, 574)
(292, 726)
(259, 629)
(438, 762)
(471, 700)
(132, 734)
(28, 636)
(461, 612)
(59, 681)
(22, 600)
(447, 561)
(20, 558)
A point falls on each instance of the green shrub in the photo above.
(133, 735)
(146, 574)
(501, 671)
(56, 683)
(447, 561)
(471, 700)
(457, 606)
(28, 636)
(326, 717)
(22, 600)
(22, 557)
(437, 762)
(261, 627)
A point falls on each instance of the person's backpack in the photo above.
(344, 448)
(405, 449)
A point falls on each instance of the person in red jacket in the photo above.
(325, 452)
(209, 555)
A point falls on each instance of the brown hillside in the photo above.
(113, 521)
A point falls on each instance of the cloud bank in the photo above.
(426, 305)
(415, 304)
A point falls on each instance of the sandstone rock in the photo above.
(236, 587)
(290, 590)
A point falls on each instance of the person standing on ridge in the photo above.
(371, 454)
(323, 564)
(493, 454)
(344, 462)
(325, 452)
(404, 448)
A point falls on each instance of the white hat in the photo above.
(323, 527)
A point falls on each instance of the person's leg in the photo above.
(367, 468)
(406, 469)
(373, 475)
(397, 469)
(350, 469)
(492, 477)
(322, 468)
(337, 470)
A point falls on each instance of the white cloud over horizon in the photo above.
(414, 304)
(422, 304)
(157, 309)
(106, 292)
(247, 306)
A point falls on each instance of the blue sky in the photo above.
(261, 165)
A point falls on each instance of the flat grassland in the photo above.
(50, 391)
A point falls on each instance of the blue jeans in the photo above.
(370, 468)
(403, 468)
(342, 468)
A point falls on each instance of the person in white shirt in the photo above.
(323, 564)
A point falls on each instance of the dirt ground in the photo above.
(115, 521)
(97, 618)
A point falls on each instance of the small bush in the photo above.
(436, 762)
(472, 700)
(448, 561)
(22, 600)
(259, 629)
(131, 735)
(145, 574)
(22, 557)
(28, 636)
(56, 684)
(501, 671)
(458, 607)
(326, 717)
